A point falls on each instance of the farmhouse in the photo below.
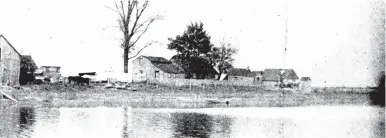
(273, 77)
(9, 63)
(147, 68)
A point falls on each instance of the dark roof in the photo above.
(1, 36)
(305, 79)
(51, 66)
(239, 72)
(255, 73)
(168, 68)
(275, 74)
(87, 73)
(157, 59)
(164, 65)
(27, 61)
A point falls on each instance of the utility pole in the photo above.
(285, 48)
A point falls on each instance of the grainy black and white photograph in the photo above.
(192, 69)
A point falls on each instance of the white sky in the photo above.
(331, 41)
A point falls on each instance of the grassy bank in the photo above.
(153, 96)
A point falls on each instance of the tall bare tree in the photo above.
(132, 28)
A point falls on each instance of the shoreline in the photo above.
(152, 96)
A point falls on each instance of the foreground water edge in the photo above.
(314, 121)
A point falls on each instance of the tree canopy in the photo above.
(193, 49)
(222, 56)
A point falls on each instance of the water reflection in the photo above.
(26, 121)
(192, 124)
(27, 117)
(127, 122)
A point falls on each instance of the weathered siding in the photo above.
(241, 79)
(271, 84)
(9, 64)
(305, 87)
(143, 70)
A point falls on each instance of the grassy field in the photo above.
(153, 96)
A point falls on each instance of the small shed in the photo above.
(305, 85)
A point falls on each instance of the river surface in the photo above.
(104, 122)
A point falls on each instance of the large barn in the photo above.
(9, 63)
(147, 68)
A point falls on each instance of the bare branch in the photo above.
(119, 12)
(139, 51)
(112, 9)
(129, 11)
(123, 10)
(150, 21)
(138, 15)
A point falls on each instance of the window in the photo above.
(156, 73)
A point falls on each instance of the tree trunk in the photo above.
(219, 75)
(125, 60)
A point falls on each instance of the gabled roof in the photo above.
(164, 65)
(1, 36)
(27, 61)
(276, 74)
(239, 72)
(157, 59)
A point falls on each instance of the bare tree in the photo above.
(132, 28)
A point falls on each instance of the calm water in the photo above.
(103, 122)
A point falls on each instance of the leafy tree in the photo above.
(193, 49)
(222, 57)
(132, 27)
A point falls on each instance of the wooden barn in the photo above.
(147, 68)
(9, 63)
